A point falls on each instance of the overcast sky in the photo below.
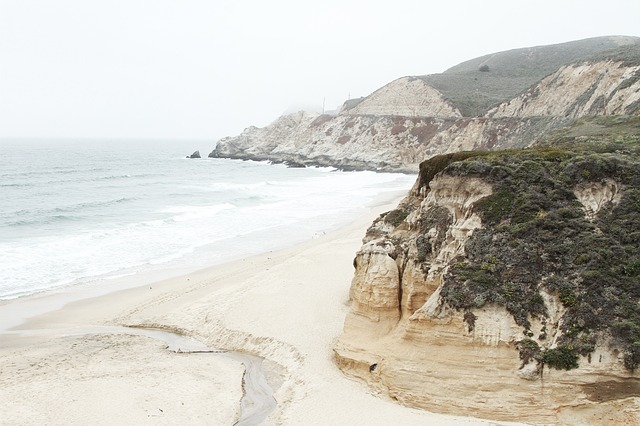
(208, 69)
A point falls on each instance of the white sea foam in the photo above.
(133, 208)
(188, 213)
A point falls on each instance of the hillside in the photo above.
(535, 91)
(509, 73)
(507, 283)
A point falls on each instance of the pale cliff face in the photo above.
(408, 121)
(602, 88)
(391, 143)
(595, 195)
(408, 97)
(405, 341)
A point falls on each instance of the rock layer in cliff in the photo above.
(506, 284)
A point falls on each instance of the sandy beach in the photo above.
(68, 363)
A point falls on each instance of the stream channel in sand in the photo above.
(257, 401)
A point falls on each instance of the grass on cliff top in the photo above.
(597, 134)
(603, 133)
(535, 237)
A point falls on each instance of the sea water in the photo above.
(85, 211)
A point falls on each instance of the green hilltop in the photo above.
(476, 85)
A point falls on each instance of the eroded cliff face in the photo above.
(409, 335)
(408, 121)
(601, 88)
(408, 97)
(595, 195)
(373, 142)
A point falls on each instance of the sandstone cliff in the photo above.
(505, 286)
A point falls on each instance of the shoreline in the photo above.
(20, 309)
(287, 306)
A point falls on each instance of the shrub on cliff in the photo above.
(536, 237)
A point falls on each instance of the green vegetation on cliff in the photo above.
(537, 239)
(476, 85)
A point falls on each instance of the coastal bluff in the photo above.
(504, 100)
(505, 286)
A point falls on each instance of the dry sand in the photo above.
(286, 306)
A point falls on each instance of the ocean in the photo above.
(83, 212)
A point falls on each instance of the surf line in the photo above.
(257, 400)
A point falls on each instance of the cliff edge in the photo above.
(506, 286)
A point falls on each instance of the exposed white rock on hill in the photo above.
(392, 143)
(407, 96)
(602, 88)
(407, 121)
